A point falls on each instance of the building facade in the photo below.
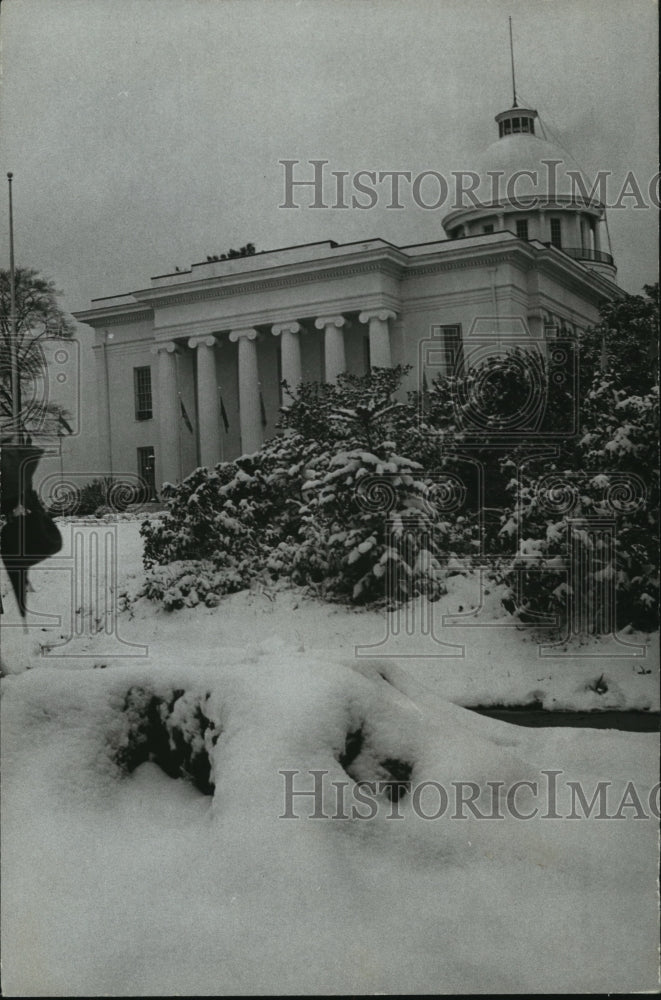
(189, 369)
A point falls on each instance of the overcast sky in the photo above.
(145, 134)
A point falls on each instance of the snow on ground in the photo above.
(120, 881)
(487, 659)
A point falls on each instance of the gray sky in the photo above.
(146, 134)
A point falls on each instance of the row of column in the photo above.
(250, 421)
(579, 231)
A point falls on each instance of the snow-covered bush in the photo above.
(107, 495)
(224, 527)
(585, 524)
(370, 528)
(330, 502)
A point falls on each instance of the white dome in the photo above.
(532, 188)
(518, 152)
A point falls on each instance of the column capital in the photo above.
(208, 341)
(292, 326)
(323, 321)
(248, 333)
(382, 314)
(164, 345)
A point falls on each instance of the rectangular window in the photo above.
(146, 471)
(453, 349)
(522, 229)
(556, 233)
(507, 126)
(487, 229)
(142, 392)
(516, 124)
(525, 127)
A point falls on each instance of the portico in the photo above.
(258, 383)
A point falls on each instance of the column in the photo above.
(585, 234)
(544, 235)
(168, 414)
(379, 334)
(207, 400)
(290, 352)
(104, 407)
(578, 229)
(334, 357)
(249, 410)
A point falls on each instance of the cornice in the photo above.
(228, 286)
(486, 260)
(390, 262)
(134, 346)
(542, 203)
(308, 311)
(114, 316)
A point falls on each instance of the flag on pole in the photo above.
(262, 408)
(185, 416)
(223, 412)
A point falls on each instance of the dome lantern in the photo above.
(516, 120)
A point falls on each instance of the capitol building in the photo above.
(189, 368)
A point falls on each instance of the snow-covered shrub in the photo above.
(585, 523)
(106, 493)
(357, 411)
(303, 508)
(173, 728)
(370, 528)
(226, 526)
(588, 535)
(480, 411)
(189, 582)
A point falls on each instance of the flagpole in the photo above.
(13, 345)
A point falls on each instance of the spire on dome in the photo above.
(515, 120)
(514, 102)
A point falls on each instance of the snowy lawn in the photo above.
(119, 880)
